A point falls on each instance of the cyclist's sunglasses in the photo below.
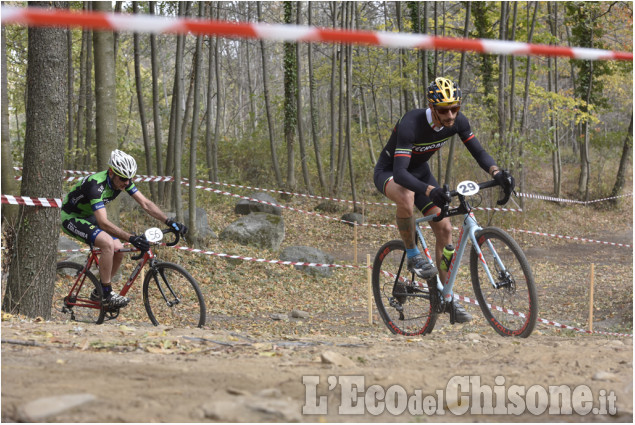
(443, 111)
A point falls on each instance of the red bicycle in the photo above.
(171, 296)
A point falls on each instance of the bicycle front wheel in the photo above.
(172, 297)
(509, 303)
(402, 302)
(72, 295)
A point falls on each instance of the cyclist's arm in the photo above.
(472, 144)
(403, 154)
(150, 207)
(109, 227)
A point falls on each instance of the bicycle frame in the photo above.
(470, 227)
(93, 258)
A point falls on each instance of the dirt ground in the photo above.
(244, 366)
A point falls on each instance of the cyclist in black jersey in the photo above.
(84, 217)
(403, 175)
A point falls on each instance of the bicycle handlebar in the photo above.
(446, 212)
(165, 231)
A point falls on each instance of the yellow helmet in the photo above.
(442, 91)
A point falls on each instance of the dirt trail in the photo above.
(246, 367)
(141, 373)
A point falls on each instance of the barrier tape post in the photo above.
(591, 298)
(355, 240)
(369, 275)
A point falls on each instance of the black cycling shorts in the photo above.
(423, 173)
(85, 229)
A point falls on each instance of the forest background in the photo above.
(301, 117)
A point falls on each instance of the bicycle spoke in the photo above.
(402, 302)
(72, 295)
(506, 294)
(172, 297)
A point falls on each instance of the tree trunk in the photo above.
(314, 112)
(349, 118)
(583, 183)
(156, 110)
(192, 235)
(523, 129)
(178, 119)
(219, 99)
(89, 149)
(290, 113)
(105, 85)
(9, 185)
(466, 30)
(301, 144)
(142, 109)
(341, 148)
(32, 271)
(553, 77)
(210, 97)
(333, 109)
(265, 88)
(502, 84)
(620, 178)
(106, 101)
(69, 84)
(81, 104)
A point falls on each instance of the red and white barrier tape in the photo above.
(221, 192)
(572, 201)
(33, 202)
(158, 24)
(148, 178)
(571, 238)
(57, 203)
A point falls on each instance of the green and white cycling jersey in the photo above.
(89, 195)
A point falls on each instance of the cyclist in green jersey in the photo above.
(84, 217)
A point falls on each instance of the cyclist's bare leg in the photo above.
(405, 200)
(443, 235)
(108, 260)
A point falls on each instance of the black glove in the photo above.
(507, 183)
(505, 180)
(439, 197)
(179, 227)
(140, 242)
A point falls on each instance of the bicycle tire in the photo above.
(511, 309)
(178, 285)
(77, 306)
(416, 316)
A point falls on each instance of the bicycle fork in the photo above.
(160, 283)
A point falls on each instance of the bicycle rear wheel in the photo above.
(511, 306)
(172, 297)
(71, 295)
(403, 304)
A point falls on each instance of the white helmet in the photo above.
(122, 164)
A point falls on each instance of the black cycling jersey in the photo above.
(92, 193)
(414, 140)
